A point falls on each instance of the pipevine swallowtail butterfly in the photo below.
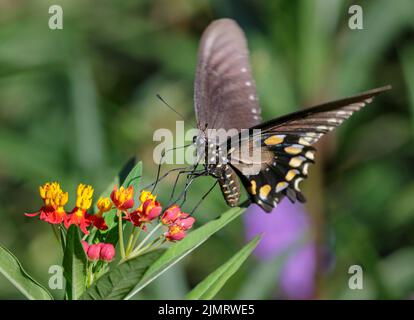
(225, 98)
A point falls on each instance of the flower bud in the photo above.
(107, 252)
(85, 246)
(94, 251)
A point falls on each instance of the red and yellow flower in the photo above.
(175, 233)
(54, 200)
(79, 215)
(149, 210)
(104, 205)
(123, 197)
(177, 230)
(178, 223)
(186, 223)
(172, 214)
(146, 195)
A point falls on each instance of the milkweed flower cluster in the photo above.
(112, 211)
(54, 200)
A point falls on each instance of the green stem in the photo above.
(121, 234)
(101, 271)
(131, 238)
(62, 235)
(145, 249)
(134, 241)
(157, 246)
(147, 246)
(91, 235)
(89, 276)
(146, 238)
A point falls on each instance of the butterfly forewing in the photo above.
(225, 93)
(316, 121)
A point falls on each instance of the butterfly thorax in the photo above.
(216, 162)
(210, 152)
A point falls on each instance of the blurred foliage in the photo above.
(76, 103)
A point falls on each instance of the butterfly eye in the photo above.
(194, 139)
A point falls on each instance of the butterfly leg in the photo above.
(203, 197)
(190, 178)
(158, 179)
(177, 179)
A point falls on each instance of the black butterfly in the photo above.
(225, 97)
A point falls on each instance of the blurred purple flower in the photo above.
(282, 229)
(297, 278)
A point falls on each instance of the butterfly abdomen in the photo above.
(229, 184)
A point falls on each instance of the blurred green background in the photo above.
(76, 103)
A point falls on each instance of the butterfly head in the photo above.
(211, 151)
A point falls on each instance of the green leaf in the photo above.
(211, 285)
(117, 283)
(262, 279)
(182, 248)
(133, 177)
(74, 264)
(11, 268)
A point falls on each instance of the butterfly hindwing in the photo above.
(285, 146)
(285, 166)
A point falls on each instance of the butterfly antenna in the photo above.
(168, 106)
(195, 125)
